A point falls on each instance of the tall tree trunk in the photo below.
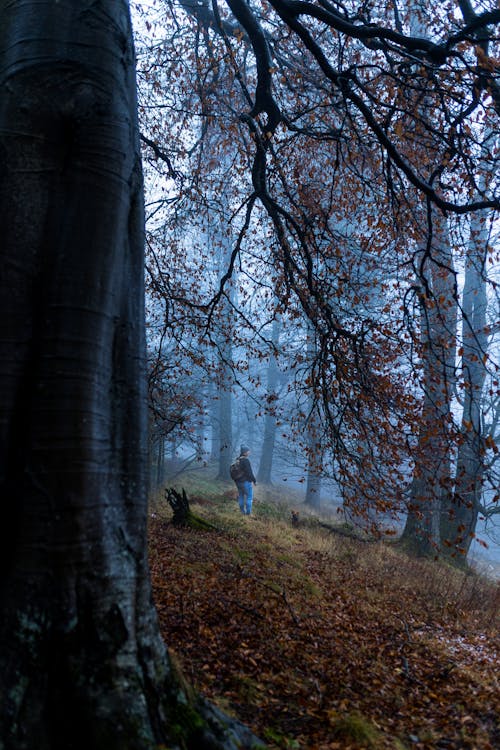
(226, 427)
(313, 488)
(82, 664)
(264, 473)
(430, 487)
(201, 452)
(225, 399)
(160, 465)
(217, 228)
(314, 448)
(459, 522)
(213, 416)
(225, 377)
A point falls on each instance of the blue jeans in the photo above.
(245, 497)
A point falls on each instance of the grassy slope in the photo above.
(318, 641)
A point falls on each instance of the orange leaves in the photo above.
(491, 444)
(361, 644)
(399, 128)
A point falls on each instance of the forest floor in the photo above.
(318, 640)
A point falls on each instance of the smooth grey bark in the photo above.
(313, 488)
(82, 663)
(264, 473)
(225, 423)
(213, 415)
(225, 395)
(221, 417)
(225, 378)
(217, 228)
(314, 448)
(159, 466)
(431, 483)
(461, 513)
(201, 452)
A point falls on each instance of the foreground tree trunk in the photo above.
(82, 664)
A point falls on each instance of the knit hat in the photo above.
(244, 449)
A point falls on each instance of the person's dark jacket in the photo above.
(246, 468)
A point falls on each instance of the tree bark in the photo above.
(82, 664)
(431, 485)
(225, 376)
(314, 448)
(460, 519)
(226, 426)
(264, 473)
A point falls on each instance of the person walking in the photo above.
(244, 480)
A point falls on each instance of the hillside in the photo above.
(320, 641)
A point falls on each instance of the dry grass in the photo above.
(320, 641)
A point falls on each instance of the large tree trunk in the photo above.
(459, 521)
(82, 664)
(430, 488)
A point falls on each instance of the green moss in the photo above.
(179, 678)
(280, 739)
(274, 586)
(242, 555)
(248, 690)
(195, 522)
(186, 723)
(288, 560)
(355, 728)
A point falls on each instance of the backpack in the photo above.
(236, 471)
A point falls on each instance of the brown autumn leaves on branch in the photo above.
(329, 144)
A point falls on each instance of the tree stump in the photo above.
(180, 506)
(183, 516)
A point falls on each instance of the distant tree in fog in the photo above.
(350, 173)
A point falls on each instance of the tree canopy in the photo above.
(350, 155)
